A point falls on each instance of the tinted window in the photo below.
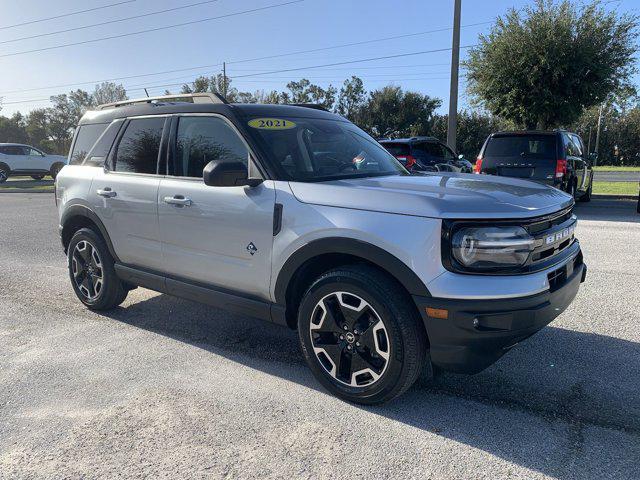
(203, 139)
(86, 136)
(138, 148)
(529, 146)
(100, 150)
(397, 149)
(15, 150)
(313, 149)
(33, 151)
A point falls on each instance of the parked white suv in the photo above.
(296, 216)
(19, 159)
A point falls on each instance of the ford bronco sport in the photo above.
(296, 216)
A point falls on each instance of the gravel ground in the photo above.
(167, 388)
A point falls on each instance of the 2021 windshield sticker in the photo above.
(272, 124)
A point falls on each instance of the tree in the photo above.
(351, 98)
(12, 129)
(65, 115)
(541, 67)
(303, 91)
(108, 92)
(391, 112)
(473, 129)
(214, 84)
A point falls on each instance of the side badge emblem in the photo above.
(252, 249)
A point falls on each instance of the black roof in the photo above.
(408, 140)
(233, 109)
(527, 132)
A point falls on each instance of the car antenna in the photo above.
(145, 91)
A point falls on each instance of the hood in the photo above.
(438, 195)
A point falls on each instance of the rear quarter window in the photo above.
(86, 137)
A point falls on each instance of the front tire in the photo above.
(92, 272)
(55, 169)
(361, 335)
(37, 177)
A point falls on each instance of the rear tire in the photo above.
(92, 272)
(5, 171)
(361, 335)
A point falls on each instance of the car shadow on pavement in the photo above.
(567, 380)
(608, 209)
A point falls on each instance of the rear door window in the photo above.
(86, 137)
(138, 149)
(526, 146)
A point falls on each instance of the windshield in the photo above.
(311, 149)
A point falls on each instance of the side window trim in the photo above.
(109, 162)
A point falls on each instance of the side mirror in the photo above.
(228, 174)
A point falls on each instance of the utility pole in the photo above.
(224, 79)
(597, 151)
(455, 66)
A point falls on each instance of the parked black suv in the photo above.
(426, 154)
(556, 158)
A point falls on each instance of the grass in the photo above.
(615, 188)
(609, 168)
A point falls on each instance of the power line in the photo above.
(31, 22)
(385, 57)
(139, 32)
(142, 15)
(251, 60)
(354, 43)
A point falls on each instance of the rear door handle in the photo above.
(178, 200)
(106, 192)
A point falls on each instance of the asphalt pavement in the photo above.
(167, 388)
(617, 176)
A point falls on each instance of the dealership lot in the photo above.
(164, 386)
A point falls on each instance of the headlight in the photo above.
(491, 248)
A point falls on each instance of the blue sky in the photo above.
(306, 25)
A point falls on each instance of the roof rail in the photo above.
(184, 97)
(315, 106)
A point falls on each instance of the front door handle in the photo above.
(106, 192)
(178, 200)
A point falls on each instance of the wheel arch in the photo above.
(319, 256)
(79, 216)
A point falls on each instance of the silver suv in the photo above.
(296, 216)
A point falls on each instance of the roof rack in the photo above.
(184, 97)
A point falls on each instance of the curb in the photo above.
(608, 196)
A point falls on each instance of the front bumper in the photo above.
(476, 333)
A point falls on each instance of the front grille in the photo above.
(553, 235)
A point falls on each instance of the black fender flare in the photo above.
(80, 210)
(349, 246)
